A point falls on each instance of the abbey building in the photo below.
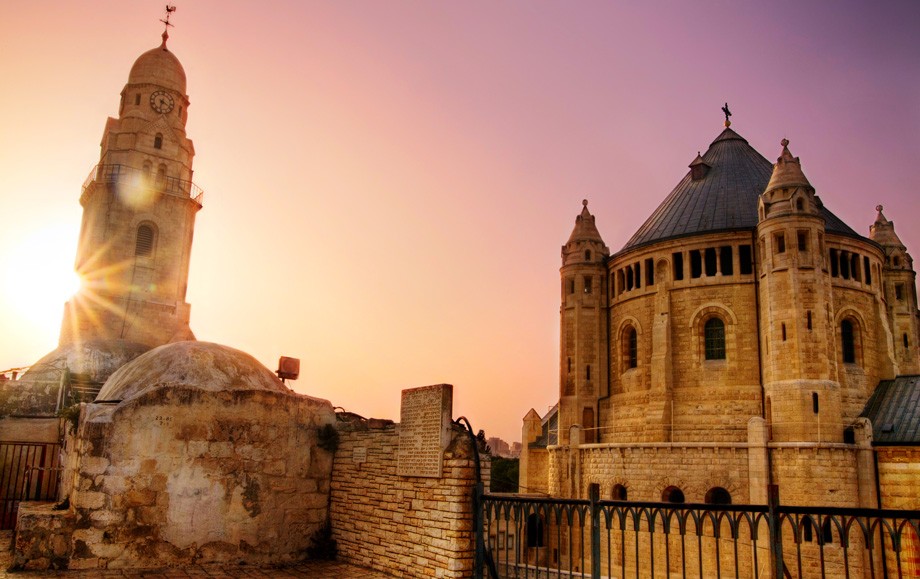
(744, 336)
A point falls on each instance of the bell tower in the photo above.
(583, 348)
(139, 206)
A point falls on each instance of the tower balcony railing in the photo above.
(104, 173)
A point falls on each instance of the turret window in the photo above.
(802, 237)
(588, 284)
(158, 141)
(137, 99)
(899, 292)
(779, 242)
(570, 285)
(146, 238)
(587, 255)
(868, 270)
(714, 334)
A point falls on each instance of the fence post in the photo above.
(478, 530)
(776, 531)
(594, 496)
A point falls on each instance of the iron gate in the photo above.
(29, 471)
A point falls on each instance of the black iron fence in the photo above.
(29, 471)
(530, 537)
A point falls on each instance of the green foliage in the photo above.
(505, 473)
(328, 438)
(71, 414)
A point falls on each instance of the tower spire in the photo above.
(166, 23)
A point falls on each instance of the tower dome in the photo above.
(160, 67)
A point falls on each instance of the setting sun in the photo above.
(42, 277)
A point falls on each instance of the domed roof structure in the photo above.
(723, 198)
(94, 359)
(160, 67)
(202, 365)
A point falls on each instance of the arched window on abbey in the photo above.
(672, 494)
(618, 493)
(158, 141)
(848, 339)
(146, 240)
(630, 348)
(718, 496)
(714, 338)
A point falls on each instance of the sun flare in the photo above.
(43, 277)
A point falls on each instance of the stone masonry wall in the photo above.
(404, 526)
(177, 476)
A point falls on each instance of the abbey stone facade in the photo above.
(744, 336)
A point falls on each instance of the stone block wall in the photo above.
(405, 526)
(178, 476)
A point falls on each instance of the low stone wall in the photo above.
(43, 536)
(402, 525)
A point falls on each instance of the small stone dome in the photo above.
(202, 365)
(160, 67)
(95, 359)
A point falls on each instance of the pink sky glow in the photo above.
(387, 184)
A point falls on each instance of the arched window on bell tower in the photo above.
(158, 141)
(146, 240)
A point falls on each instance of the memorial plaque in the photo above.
(424, 430)
(359, 454)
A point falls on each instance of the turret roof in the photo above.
(585, 229)
(725, 199)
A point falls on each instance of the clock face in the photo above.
(161, 102)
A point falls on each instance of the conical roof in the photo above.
(882, 231)
(725, 199)
(787, 172)
(585, 229)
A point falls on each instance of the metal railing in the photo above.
(530, 537)
(123, 174)
(29, 471)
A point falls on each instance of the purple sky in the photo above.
(388, 183)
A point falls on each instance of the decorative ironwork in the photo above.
(595, 538)
(134, 177)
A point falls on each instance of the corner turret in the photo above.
(583, 359)
(900, 293)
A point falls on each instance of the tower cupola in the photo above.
(159, 67)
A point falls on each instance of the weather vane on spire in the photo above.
(728, 113)
(169, 11)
